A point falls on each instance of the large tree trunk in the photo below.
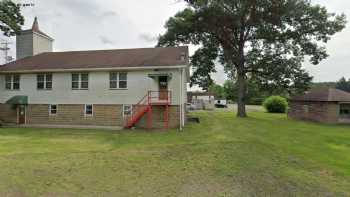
(242, 88)
(241, 82)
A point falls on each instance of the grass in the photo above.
(263, 155)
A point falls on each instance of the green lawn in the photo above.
(264, 155)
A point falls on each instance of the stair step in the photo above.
(137, 117)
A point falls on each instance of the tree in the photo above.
(205, 65)
(255, 95)
(344, 85)
(319, 85)
(11, 19)
(230, 90)
(264, 39)
(218, 91)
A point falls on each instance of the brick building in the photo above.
(323, 105)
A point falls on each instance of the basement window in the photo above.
(88, 110)
(127, 110)
(53, 109)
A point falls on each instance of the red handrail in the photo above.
(151, 98)
(159, 97)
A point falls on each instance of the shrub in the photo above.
(275, 104)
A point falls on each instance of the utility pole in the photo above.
(5, 47)
(4, 43)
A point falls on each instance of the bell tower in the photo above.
(32, 42)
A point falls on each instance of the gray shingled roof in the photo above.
(327, 95)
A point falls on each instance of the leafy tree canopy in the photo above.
(343, 84)
(11, 19)
(264, 40)
(218, 91)
(254, 95)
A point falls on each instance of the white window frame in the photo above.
(80, 81)
(92, 110)
(12, 82)
(124, 111)
(126, 80)
(45, 81)
(114, 80)
(50, 110)
(118, 81)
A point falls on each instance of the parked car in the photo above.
(221, 103)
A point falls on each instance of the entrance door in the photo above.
(21, 114)
(163, 88)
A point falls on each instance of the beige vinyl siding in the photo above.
(99, 91)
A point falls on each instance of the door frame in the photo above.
(161, 94)
(18, 114)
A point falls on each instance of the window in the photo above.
(44, 81)
(12, 82)
(53, 109)
(80, 81)
(344, 111)
(84, 81)
(118, 80)
(306, 108)
(123, 80)
(8, 82)
(113, 80)
(127, 110)
(88, 110)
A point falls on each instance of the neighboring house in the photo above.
(201, 100)
(323, 105)
(143, 87)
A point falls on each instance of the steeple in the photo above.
(35, 26)
(33, 41)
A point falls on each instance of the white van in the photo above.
(221, 103)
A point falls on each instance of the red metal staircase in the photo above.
(144, 106)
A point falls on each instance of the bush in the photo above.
(275, 104)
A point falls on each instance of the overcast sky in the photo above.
(109, 24)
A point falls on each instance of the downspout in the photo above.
(180, 100)
(183, 97)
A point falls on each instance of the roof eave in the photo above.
(44, 35)
(94, 69)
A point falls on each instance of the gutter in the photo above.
(94, 69)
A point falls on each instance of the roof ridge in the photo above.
(122, 49)
(324, 94)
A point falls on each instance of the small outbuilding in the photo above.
(201, 100)
(322, 105)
